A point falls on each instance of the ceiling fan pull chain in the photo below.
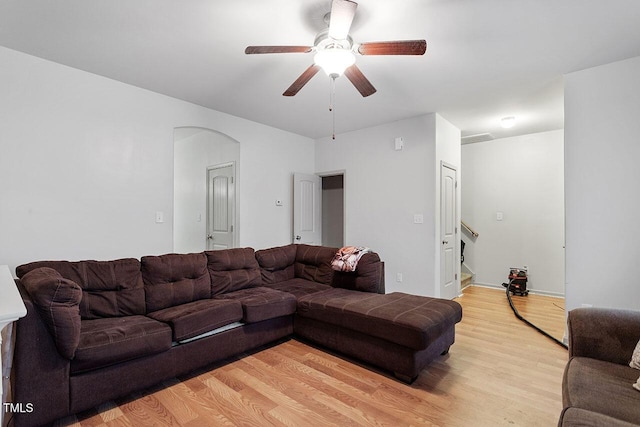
(333, 132)
(332, 99)
(332, 92)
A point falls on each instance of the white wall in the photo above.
(602, 178)
(448, 150)
(522, 177)
(384, 188)
(266, 174)
(86, 162)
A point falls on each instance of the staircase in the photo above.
(466, 274)
(465, 280)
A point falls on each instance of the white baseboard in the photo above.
(531, 290)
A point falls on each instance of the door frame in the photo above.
(236, 222)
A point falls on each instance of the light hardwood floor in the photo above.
(499, 372)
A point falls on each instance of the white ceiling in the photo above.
(485, 59)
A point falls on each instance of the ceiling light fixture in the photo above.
(508, 122)
(334, 57)
(334, 60)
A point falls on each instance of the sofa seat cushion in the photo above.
(602, 387)
(113, 340)
(262, 303)
(408, 320)
(195, 318)
(299, 287)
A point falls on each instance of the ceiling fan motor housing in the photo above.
(324, 41)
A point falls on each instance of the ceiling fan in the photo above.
(335, 50)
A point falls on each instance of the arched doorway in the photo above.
(197, 150)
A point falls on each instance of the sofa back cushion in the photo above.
(277, 264)
(175, 279)
(58, 302)
(314, 263)
(109, 288)
(233, 269)
(368, 277)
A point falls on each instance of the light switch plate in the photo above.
(159, 217)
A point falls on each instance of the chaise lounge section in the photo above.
(98, 330)
(397, 332)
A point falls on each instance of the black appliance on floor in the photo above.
(517, 281)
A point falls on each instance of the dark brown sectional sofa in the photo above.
(98, 330)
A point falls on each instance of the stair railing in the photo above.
(469, 229)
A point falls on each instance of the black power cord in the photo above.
(515, 311)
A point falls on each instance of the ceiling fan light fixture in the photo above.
(334, 61)
(508, 122)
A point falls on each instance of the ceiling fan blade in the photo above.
(277, 49)
(302, 80)
(342, 13)
(358, 79)
(404, 47)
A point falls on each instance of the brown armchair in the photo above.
(597, 385)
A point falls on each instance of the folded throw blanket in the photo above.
(346, 259)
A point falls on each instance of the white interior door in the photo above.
(307, 209)
(448, 233)
(220, 206)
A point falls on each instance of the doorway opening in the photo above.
(333, 210)
(319, 209)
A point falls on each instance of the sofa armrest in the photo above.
(40, 375)
(603, 333)
(368, 277)
(574, 417)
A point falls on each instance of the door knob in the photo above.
(298, 237)
(444, 242)
(209, 236)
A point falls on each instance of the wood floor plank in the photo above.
(499, 372)
(178, 399)
(341, 395)
(232, 404)
(149, 411)
(293, 399)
